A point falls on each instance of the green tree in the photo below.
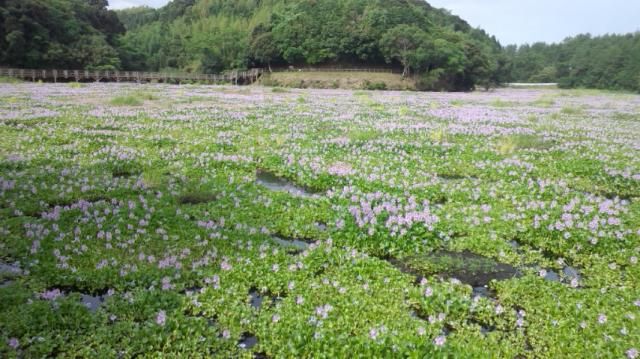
(264, 49)
(402, 43)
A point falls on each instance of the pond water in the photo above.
(256, 299)
(279, 184)
(92, 302)
(567, 275)
(291, 242)
(469, 268)
(247, 341)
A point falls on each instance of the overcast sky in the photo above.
(524, 21)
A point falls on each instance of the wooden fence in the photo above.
(235, 77)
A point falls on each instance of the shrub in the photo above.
(126, 100)
(375, 86)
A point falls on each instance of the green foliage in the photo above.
(9, 80)
(126, 100)
(373, 86)
(61, 33)
(218, 35)
(603, 62)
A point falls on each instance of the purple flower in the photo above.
(225, 265)
(161, 318)
(14, 343)
(428, 292)
(602, 318)
(51, 294)
(440, 340)
(632, 353)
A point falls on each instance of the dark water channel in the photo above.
(279, 184)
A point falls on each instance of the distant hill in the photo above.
(441, 50)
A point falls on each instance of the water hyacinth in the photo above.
(157, 210)
(161, 318)
(439, 340)
(14, 343)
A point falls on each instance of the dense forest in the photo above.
(437, 48)
(59, 33)
(213, 35)
(605, 62)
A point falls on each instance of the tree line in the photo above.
(603, 62)
(440, 50)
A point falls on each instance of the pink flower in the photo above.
(161, 318)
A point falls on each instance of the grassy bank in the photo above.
(343, 80)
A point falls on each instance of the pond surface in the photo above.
(247, 341)
(469, 268)
(291, 242)
(92, 302)
(255, 298)
(279, 184)
(567, 275)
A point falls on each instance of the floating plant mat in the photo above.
(275, 183)
(469, 268)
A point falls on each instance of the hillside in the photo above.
(214, 35)
(59, 34)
